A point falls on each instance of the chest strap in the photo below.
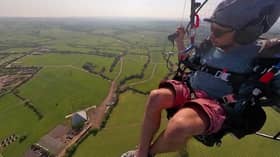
(232, 78)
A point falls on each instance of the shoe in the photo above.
(131, 153)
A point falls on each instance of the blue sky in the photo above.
(91, 8)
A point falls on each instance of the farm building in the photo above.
(51, 143)
(78, 119)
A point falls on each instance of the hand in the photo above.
(180, 43)
(182, 56)
(181, 34)
(272, 42)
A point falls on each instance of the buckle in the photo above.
(229, 99)
(222, 75)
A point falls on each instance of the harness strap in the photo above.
(233, 78)
(223, 74)
(227, 99)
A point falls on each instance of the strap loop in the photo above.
(222, 75)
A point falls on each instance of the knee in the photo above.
(155, 95)
(160, 99)
(177, 128)
(187, 122)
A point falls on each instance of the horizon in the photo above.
(110, 18)
(163, 9)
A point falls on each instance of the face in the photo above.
(222, 36)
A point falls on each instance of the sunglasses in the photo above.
(217, 32)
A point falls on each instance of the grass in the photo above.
(55, 92)
(133, 64)
(157, 57)
(76, 60)
(160, 73)
(18, 50)
(138, 50)
(62, 46)
(82, 41)
(142, 37)
(147, 76)
(19, 120)
(115, 71)
(70, 88)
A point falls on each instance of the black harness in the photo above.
(244, 113)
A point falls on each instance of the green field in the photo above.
(153, 82)
(63, 86)
(19, 120)
(55, 92)
(132, 65)
(75, 60)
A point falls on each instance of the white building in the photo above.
(78, 119)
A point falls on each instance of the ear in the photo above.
(247, 35)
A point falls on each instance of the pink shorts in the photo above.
(211, 107)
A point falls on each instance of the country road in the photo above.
(99, 113)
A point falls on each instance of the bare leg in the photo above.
(158, 100)
(184, 124)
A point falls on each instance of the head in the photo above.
(243, 21)
(222, 36)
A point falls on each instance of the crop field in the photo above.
(55, 92)
(147, 76)
(17, 119)
(131, 52)
(75, 60)
(50, 88)
(132, 65)
(159, 71)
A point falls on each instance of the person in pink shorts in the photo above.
(204, 115)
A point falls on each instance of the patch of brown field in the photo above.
(10, 81)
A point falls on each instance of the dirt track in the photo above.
(96, 116)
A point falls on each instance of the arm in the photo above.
(271, 42)
(180, 43)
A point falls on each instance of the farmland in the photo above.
(59, 66)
